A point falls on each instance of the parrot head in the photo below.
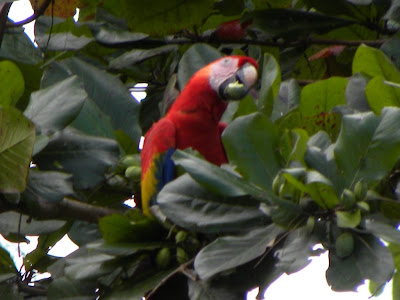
(227, 78)
(233, 76)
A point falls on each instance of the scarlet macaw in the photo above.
(194, 121)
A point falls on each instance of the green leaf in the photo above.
(271, 79)
(44, 106)
(212, 177)
(251, 143)
(12, 83)
(380, 94)
(160, 17)
(65, 41)
(288, 99)
(322, 96)
(67, 288)
(296, 251)
(93, 121)
(118, 228)
(7, 267)
(107, 34)
(348, 273)
(136, 56)
(346, 219)
(48, 186)
(123, 248)
(17, 137)
(393, 13)
(17, 47)
(196, 57)
(294, 23)
(228, 252)
(110, 95)
(12, 222)
(373, 62)
(88, 158)
(192, 207)
(368, 145)
(140, 288)
(355, 93)
(384, 231)
(293, 145)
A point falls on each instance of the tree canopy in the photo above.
(314, 151)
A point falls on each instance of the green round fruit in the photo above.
(360, 190)
(344, 245)
(181, 256)
(181, 236)
(129, 160)
(163, 258)
(235, 91)
(310, 223)
(133, 173)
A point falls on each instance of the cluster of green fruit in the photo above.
(186, 246)
(336, 219)
(131, 164)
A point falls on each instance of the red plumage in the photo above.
(193, 121)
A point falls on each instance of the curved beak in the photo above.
(239, 84)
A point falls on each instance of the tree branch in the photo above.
(38, 12)
(65, 209)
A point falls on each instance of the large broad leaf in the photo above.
(288, 99)
(67, 288)
(368, 145)
(17, 137)
(140, 288)
(93, 121)
(118, 228)
(322, 96)
(107, 91)
(293, 23)
(136, 56)
(17, 46)
(48, 186)
(12, 222)
(212, 177)
(86, 157)
(380, 94)
(374, 62)
(296, 251)
(251, 143)
(65, 41)
(193, 60)
(44, 106)
(384, 231)
(355, 93)
(271, 79)
(12, 83)
(345, 274)
(107, 34)
(228, 252)
(165, 17)
(190, 206)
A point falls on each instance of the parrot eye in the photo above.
(226, 62)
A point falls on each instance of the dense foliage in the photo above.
(314, 152)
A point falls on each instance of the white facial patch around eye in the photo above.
(221, 71)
